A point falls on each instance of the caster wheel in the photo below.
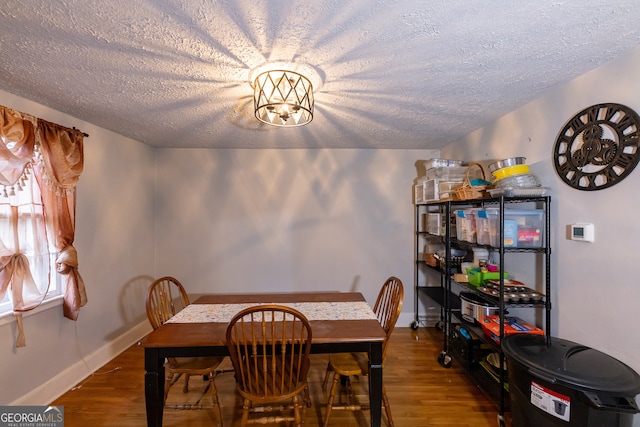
(414, 326)
(444, 360)
(439, 325)
(501, 422)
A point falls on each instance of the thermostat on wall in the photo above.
(582, 232)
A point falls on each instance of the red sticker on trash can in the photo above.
(550, 401)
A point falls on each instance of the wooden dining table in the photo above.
(340, 322)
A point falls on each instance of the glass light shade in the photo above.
(283, 98)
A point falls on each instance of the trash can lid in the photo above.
(573, 364)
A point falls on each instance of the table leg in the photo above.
(154, 386)
(375, 383)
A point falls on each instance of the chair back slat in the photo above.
(388, 307)
(165, 298)
(269, 347)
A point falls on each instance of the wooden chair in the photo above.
(269, 347)
(343, 365)
(167, 297)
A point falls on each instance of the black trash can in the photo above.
(567, 384)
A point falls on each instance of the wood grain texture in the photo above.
(421, 392)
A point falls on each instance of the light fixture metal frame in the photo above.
(283, 98)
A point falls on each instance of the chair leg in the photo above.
(349, 390)
(305, 404)
(387, 407)
(307, 397)
(332, 395)
(246, 406)
(214, 397)
(168, 382)
(326, 376)
(297, 407)
(185, 389)
(205, 389)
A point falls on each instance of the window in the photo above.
(30, 233)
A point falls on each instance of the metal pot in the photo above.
(473, 308)
(505, 163)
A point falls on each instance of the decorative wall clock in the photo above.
(598, 147)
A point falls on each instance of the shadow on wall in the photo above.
(132, 301)
(354, 285)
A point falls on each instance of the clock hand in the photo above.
(582, 156)
(591, 138)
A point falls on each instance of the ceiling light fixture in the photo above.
(283, 98)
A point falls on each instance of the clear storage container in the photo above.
(522, 228)
(438, 163)
(451, 173)
(419, 196)
(487, 227)
(528, 227)
(466, 225)
(428, 190)
(435, 225)
(446, 189)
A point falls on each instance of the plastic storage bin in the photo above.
(528, 227)
(567, 384)
(428, 190)
(450, 173)
(438, 163)
(466, 225)
(419, 196)
(478, 277)
(487, 227)
(446, 189)
(435, 224)
(522, 228)
(468, 346)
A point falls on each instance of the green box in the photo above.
(478, 278)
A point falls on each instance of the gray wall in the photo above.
(286, 220)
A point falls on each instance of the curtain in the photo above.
(43, 215)
(25, 234)
(58, 170)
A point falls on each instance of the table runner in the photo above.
(222, 313)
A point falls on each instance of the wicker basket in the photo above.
(468, 191)
(431, 260)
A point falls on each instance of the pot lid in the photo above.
(574, 364)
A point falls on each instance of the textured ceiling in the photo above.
(390, 74)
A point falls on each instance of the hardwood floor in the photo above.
(421, 392)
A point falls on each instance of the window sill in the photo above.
(8, 317)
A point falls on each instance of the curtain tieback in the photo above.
(67, 260)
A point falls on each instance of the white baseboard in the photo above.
(65, 380)
(405, 319)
